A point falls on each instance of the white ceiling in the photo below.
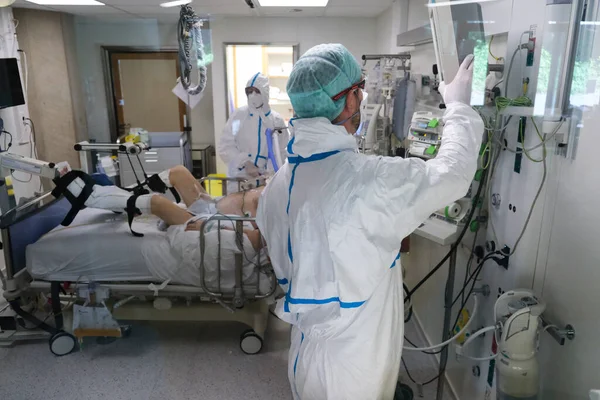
(217, 8)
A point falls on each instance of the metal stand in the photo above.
(447, 321)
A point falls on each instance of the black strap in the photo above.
(175, 194)
(157, 185)
(77, 203)
(132, 211)
(137, 190)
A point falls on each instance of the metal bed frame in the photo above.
(244, 303)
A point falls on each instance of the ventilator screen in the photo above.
(11, 91)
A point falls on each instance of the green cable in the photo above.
(503, 102)
(525, 152)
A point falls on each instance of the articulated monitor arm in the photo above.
(10, 162)
(13, 162)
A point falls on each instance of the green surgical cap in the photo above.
(321, 73)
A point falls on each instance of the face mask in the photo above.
(255, 100)
(357, 118)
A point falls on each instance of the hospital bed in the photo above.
(97, 251)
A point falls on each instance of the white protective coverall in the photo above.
(244, 137)
(333, 221)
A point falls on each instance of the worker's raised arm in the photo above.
(409, 190)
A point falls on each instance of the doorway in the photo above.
(142, 84)
(274, 61)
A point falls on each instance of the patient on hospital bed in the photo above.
(97, 245)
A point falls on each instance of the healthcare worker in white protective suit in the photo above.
(333, 220)
(244, 142)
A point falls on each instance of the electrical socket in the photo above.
(24, 138)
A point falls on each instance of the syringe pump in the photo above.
(425, 135)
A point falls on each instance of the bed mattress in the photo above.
(98, 246)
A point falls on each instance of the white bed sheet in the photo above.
(98, 246)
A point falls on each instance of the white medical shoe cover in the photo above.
(333, 221)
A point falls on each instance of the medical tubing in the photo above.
(512, 60)
(474, 275)
(456, 243)
(188, 28)
(410, 308)
(270, 134)
(462, 331)
(471, 339)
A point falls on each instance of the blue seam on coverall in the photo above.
(259, 143)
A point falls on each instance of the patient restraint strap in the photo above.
(132, 211)
(157, 185)
(77, 203)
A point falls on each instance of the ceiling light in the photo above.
(66, 2)
(293, 3)
(457, 2)
(175, 3)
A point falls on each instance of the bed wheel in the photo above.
(62, 344)
(250, 342)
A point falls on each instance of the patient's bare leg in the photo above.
(168, 211)
(184, 182)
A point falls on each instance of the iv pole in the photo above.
(388, 92)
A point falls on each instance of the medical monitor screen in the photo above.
(11, 91)
(468, 28)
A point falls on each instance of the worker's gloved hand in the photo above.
(459, 90)
(251, 170)
(268, 121)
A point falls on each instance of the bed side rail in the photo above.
(241, 182)
(260, 268)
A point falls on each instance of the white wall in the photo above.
(92, 34)
(13, 117)
(514, 188)
(390, 23)
(558, 256)
(358, 34)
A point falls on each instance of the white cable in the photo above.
(460, 349)
(549, 327)
(26, 70)
(459, 334)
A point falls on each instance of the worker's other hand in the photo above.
(459, 90)
(251, 170)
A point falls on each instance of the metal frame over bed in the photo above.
(244, 303)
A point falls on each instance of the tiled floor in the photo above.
(174, 361)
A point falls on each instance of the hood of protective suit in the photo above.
(261, 82)
(313, 136)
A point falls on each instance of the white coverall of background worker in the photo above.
(333, 220)
(243, 145)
